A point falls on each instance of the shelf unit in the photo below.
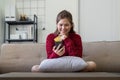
(9, 23)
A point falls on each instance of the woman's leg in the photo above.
(35, 68)
(91, 66)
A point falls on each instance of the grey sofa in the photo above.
(16, 61)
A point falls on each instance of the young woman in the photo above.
(71, 42)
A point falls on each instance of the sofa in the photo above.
(17, 59)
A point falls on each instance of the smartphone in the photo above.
(58, 43)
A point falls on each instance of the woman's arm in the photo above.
(49, 46)
(74, 45)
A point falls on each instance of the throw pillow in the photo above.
(66, 63)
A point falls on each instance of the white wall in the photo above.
(53, 7)
(99, 20)
(118, 4)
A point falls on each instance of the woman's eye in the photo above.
(66, 24)
(60, 24)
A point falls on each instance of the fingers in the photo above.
(58, 50)
(58, 46)
(63, 36)
(61, 49)
(54, 48)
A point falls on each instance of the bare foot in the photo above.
(35, 68)
(91, 66)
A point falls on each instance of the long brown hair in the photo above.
(65, 14)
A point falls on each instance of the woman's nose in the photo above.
(63, 27)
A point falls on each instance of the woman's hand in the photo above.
(58, 50)
(63, 37)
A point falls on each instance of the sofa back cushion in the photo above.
(106, 54)
(21, 57)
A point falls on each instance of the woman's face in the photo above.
(64, 26)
